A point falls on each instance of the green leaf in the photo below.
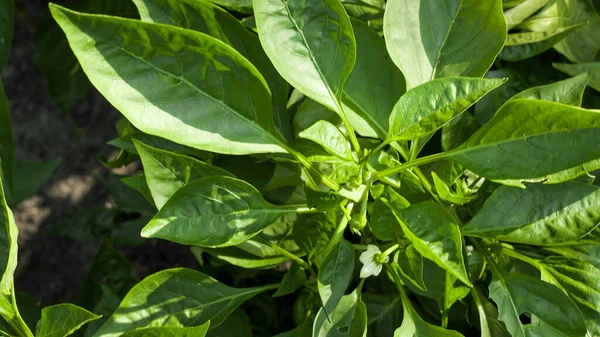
(6, 29)
(520, 46)
(311, 44)
(435, 234)
(62, 320)
(242, 6)
(581, 281)
(29, 176)
(330, 138)
(444, 192)
(375, 83)
(522, 11)
(292, 281)
(166, 172)
(428, 107)
(348, 320)
(7, 146)
(335, 274)
(589, 253)
(529, 139)
(538, 215)
(8, 246)
(463, 40)
(569, 91)
(555, 313)
(197, 331)
(227, 210)
(138, 183)
(488, 316)
(176, 298)
(575, 69)
(384, 313)
(237, 324)
(382, 222)
(490, 103)
(213, 20)
(108, 50)
(309, 112)
(312, 232)
(408, 263)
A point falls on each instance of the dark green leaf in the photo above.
(576, 69)
(237, 324)
(127, 198)
(294, 279)
(29, 176)
(555, 313)
(581, 281)
(589, 253)
(309, 112)
(242, 6)
(463, 40)
(490, 103)
(383, 224)
(428, 107)
(488, 316)
(166, 172)
(176, 298)
(530, 139)
(538, 215)
(569, 91)
(348, 320)
(408, 263)
(197, 331)
(216, 22)
(520, 46)
(7, 146)
(108, 51)
(6, 30)
(227, 210)
(138, 183)
(335, 273)
(312, 232)
(435, 234)
(384, 313)
(62, 320)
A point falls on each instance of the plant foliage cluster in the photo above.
(353, 168)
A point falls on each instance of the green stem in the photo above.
(390, 250)
(17, 322)
(379, 147)
(417, 171)
(407, 165)
(287, 254)
(350, 130)
(360, 247)
(338, 235)
(308, 165)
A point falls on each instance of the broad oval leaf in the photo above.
(335, 274)
(382, 222)
(538, 215)
(196, 331)
(529, 139)
(312, 232)
(214, 212)
(311, 43)
(6, 29)
(330, 138)
(428, 107)
(556, 314)
(375, 83)
(166, 172)
(575, 69)
(292, 281)
(441, 38)
(435, 234)
(176, 298)
(348, 320)
(569, 91)
(210, 19)
(189, 70)
(520, 46)
(62, 320)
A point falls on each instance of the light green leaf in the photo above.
(166, 172)
(335, 274)
(538, 215)
(555, 313)
(330, 137)
(435, 234)
(311, 44)
(6, 29)
(444, 192)
(62, 320)
(176, 298)
(520, 46)
(348, 320)
(569, 91)
(581, 281)
(384, 313)
(488, 316)
(7, 146)
(530, 139)
(575, 69)
(197, 331)
(240, 257)
(236, 114)
(428, 107)
(463, 40)
(522, 11)
(214, 212)
(294, 279)
(210, 19)
(375, 83)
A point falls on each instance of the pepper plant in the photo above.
(372, 151)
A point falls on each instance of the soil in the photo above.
(52, 268)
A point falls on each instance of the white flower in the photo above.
(372, 261)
